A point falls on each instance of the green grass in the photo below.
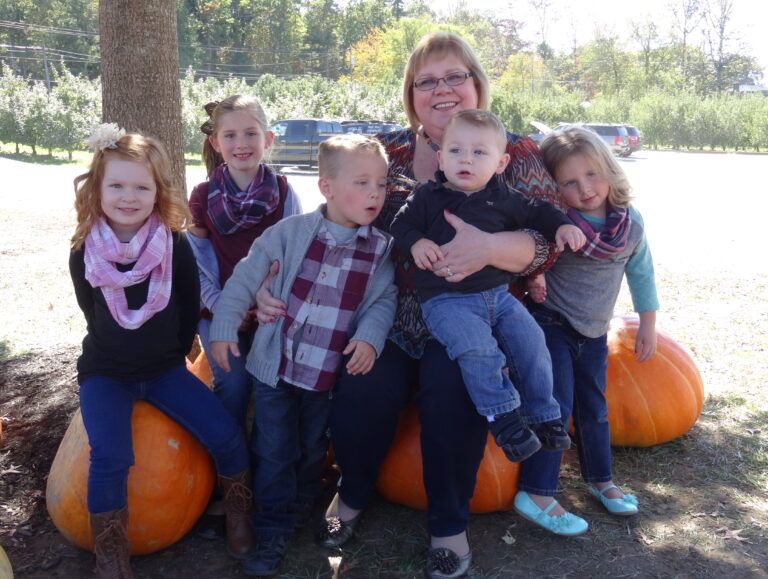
(60, 156)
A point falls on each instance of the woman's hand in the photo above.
(268, 308)
(471, 250)
(467, 253)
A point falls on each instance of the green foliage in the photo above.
(62, 118)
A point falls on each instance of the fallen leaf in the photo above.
(645, 538)
(508, 538)
(727, 533)
(14, 469)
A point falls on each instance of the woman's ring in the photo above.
(448, 271)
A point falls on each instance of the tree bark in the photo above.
(140, 72)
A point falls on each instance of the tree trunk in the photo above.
(140, 72)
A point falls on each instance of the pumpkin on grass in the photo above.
(401, 478)
(6, 572)
(654, 401)
(168, 486)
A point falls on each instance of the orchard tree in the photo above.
(140, 71)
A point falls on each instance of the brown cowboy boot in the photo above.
(238, 505)
(111, 544)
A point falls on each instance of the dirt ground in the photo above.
(704, 497)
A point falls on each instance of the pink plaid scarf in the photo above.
(152, 250)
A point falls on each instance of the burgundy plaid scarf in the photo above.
(611, 239)
(152, 250)
(231, 209)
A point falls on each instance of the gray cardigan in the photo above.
(287, 242)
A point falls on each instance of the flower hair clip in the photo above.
(105, 136)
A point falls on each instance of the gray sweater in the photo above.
(584, 290)
(287, 242)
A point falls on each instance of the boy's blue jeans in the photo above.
(107, 404)
(486, 331)
(579, 364)
(233, 388)
(290, 443)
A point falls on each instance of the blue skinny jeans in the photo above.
(107, 404)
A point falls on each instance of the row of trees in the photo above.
(62, 118)
(368, 41)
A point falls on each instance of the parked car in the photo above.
(615, 136)
(296, 140)
(635, 139)
(370, 127)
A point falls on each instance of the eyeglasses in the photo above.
(453, 79)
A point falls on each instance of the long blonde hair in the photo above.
(571, 140)
(216, 110)
(170, 205)
(436, 44)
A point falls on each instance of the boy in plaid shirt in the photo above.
(336, 280)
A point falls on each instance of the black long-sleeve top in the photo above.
(493, 209)
(160, 343)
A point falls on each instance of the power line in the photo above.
(50, 29)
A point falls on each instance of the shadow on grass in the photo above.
(38, 397)
(38, 159)
(701, 516)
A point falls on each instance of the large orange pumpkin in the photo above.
(651, 402)
(401, 478)
(6, 572)
(168, 487)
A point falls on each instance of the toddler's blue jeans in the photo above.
(579, 364)
(107, 404)
(486, 331)
(290, 443)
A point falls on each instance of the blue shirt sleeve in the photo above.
(640, 275)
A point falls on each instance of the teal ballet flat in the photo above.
(625, 506)
(566, 525)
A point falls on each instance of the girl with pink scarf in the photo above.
(136, 282)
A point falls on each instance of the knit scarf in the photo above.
(231, 209)
(152, 251)
(609, 241)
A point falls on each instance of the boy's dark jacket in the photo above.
(493, 209)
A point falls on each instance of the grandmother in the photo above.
(443, 76)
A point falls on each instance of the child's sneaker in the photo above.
(265, 560)
(516, 440)
(552, 435)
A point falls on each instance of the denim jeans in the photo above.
(107, 404)
(486, 331)
(364, 414)
(579, 365)
(290, 443)
(233, 388)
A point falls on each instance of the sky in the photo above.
(570, 20)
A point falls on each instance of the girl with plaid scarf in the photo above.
(241, 198)
(574, 306)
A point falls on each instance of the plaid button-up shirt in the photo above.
(329, 288)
